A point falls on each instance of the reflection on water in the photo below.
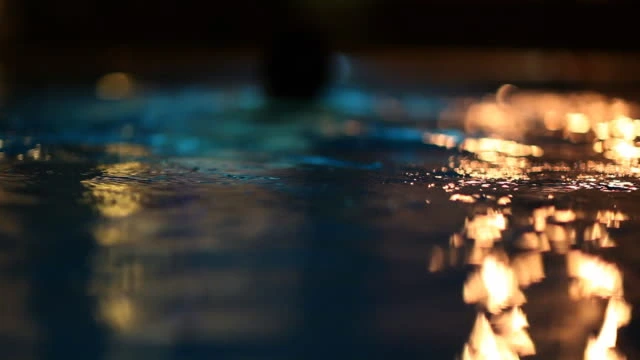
(244, 256)
(17, 328)
(507, 245)
(197, 263)
(598, 134)
(243, 253)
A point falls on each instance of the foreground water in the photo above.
(151, 240)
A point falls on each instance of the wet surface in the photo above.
(356, 233)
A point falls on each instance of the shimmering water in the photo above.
(139, 230)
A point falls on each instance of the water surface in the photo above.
(141, 231)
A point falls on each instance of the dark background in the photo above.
(587, 42)
(597, 24)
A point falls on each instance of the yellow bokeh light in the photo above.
(114, 198)
(115, 86)
(118, 312)
(578, 123)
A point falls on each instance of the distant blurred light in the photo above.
(118, 312)
(578, 123)
(353, 127)
(115, 86)
(442, 140)
(623, 127)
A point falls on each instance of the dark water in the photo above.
(169, 243)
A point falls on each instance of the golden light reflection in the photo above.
(442, 140)
(493, 165)
(463, 198)
(494, 120)
(484, 344)
(611, 218)
(494, 285)
(158, 277)
(485, 229)
(111, 197)
(124, 149)
(540, 216)
(528, 268)
(494, 157)
(498, 146)
(123, 169)
(511, 328)
(541, 230)
(602, 346)
(608, 123)
(109, 235)
(593, 277)
(598, 233)
(578, 123)
(118, 312)
(499, 278)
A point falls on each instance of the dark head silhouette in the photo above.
(296, 64)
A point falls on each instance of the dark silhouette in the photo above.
(296, 63)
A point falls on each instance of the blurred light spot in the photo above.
(115, 86)
(353, 127)
(578, 123)
(124, 149)
(528, 268)
(598, 147)
(442, 140)
(564, 216)
(601, 130)
(611, 218)
(494, 285)
(463, 198)
(553, 121)
(111, 197)
(35, 153)
(115, 200)
(108, 235)
(602, 347)
(118, 312)
(623, 127)
(483, 343)
(594, 276)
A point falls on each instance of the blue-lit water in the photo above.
(189, 224)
